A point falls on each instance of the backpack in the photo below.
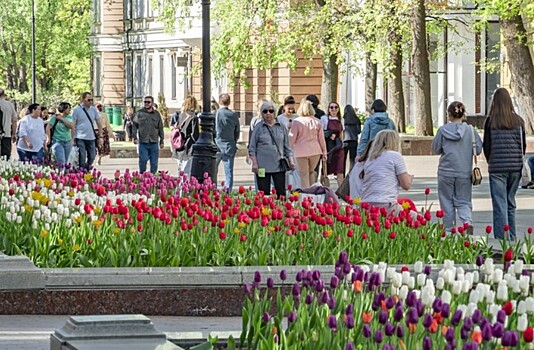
(178, 137)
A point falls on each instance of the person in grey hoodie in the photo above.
(377, 121)
(454, 142)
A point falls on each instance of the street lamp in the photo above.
(34, 88)
(204, 149)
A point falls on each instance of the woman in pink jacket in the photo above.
(307, 141)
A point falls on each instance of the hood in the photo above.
(454, 131)
(380, 118)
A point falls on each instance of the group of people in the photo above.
(43, 133)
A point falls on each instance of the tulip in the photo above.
(427, 343)
(349, 346)
(266, 317)
(456, 318)
(528, 335)
(270, 282)
(332, 322)
(334, 282)
(498, 330)
(309, 299)
(349, 321)
(378, 336)
(292, 316)
(487, 332)
(366, 330)
(283, 274)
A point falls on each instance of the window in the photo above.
(128, 75)
(493, 61)
(139, 8)
(127, 9)
(97, 10)
(162, 74)
(97, 77)
(138, 78)
(173, 77)
(149, 69)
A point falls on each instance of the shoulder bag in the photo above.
(476, 175)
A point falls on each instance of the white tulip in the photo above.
(497, 275)
(456, 287)
(514, 285)
(518, 267)
(471, 307)
(522, 323)
(530, 305)
(418, 267)
(390, 272)
(521, 307)
(411, 282)
(474, 296)
(68, 222)
(405, 277)
(448, 264)
(35, 224)
(490, 297)
(466, 286)
(440, 283)
(488, 266)
(524, 282)
(403, 292)
(502, 292)
(446, 297)
(19, 219)
(37, 214)
(421, 279)
(396, 280)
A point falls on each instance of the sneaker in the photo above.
(469, 230)
(530, 185)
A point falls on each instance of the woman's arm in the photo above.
(405, 181)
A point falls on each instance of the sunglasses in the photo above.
(90, 100)
(148, 102)
(334, 107)
(265, 111)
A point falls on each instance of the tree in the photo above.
(62, 49)
(516, 40)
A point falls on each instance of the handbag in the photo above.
(325, 181)
(343, 191)
(284, 162)
(476, 174)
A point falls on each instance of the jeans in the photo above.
(503, 187)
(455, 198)
(530, 162)
(87, 152)
(5, 149)
(148, 151)
(228, 164)
(61, 151)
(28, 156)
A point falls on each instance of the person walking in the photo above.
(454, 143)
(227, 130)
(377, 121)
(504, 147)
(147, 129)
(84, 136)
(127, 124)
(105, 149)
(333, 133)
(352, 127)
(32, 138)
(307, 140)
(8, 126)
(59, 133)
(187, 121)
(269, 145)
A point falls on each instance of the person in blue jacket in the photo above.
(377, 121)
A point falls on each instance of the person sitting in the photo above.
(383, 173)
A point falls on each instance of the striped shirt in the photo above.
(380, 182)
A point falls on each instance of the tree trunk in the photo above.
(421, 73)
(330, 80)
(521, 67)
(396, 105)
(370, 82)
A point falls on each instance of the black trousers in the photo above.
(5, 149)
(279, 180)
(350, 147)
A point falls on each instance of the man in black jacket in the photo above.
(226, 136)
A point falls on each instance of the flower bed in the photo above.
(71, 218)
(383, 308)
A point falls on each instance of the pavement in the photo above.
(21, 332)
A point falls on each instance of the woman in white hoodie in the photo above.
(454, 142)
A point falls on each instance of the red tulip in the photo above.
(467, 244)
(528, 335)
(392, 235)
(222, 235)
(529, 230)
(350, 233)
(506, 227)
(488, 229)
(440, 213)
(427, 191)
(508, 308)
(243, 238)
(364, 235)
(508, 255)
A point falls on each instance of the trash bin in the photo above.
(117, 116)
(109, 113)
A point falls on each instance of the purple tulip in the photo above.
(257, 277)
(309, 299)
(266, 317)
(468, 323)
(388, 347)
(427, 343)
(283, 275)
(298, 277)
(270, 282)
(437, 304)
(378, 336)
(501, 316)
(525, 272)
(292, 317)
(247, 289)
(398, 314)
(319, 286)
(514, 340)
(427, 270)
(334, 282)
(346, 268)
(400, 331)
(486, 332)
(412, 316)
(308, 276)
(449, 334)
(411, 298)
(366, 330)
(420, 308)
(390, 302)
(389, 329)
(343, 257)
(349, 346)
(275, 339)
(464, 333)
(359, 274)
(427, 321)
(506, 338)
(316, 275)
(456, 318)
(445, 310)
(324, 297)
(477, 316)
(498, 330)
(331, 303)
(332, 322)
(349, 321)
(349, 310)
(470, 346)
(296, 289)
(383, 317)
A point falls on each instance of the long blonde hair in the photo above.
(190, 104)
(385, 140)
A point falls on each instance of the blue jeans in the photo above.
(28, 156)
(148, 151)
(455, 198)
(61, 151)
(531, 166)
(503, 187)
(228, 164)
(87, 152)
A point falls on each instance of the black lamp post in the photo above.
(205, 150)
(34, 78)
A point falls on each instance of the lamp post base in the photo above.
(205, 150)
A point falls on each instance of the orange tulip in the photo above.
(357, 286)
(367, 317)
(434, 326)
(476, 336)
(412, 327)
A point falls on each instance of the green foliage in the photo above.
(62, 48)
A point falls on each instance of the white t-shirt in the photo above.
(380, 182)
(34, 129)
